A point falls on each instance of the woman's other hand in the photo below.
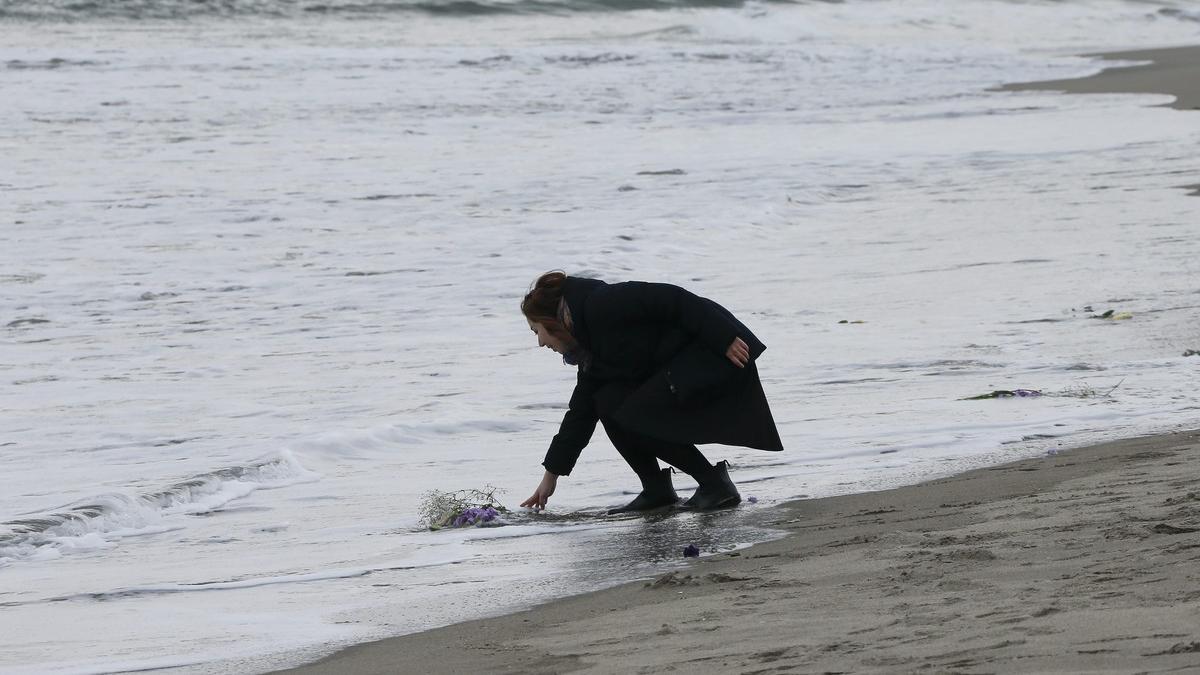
(738, 352)
(544, 489)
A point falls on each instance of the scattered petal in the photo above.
(752, 499)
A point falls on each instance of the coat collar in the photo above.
(576, 291)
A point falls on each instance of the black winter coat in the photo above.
(656, 366)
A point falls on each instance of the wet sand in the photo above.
(1084, 561)
(1174, 71)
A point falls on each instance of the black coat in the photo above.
(655, 364)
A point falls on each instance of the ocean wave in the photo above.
(95, 523)
(75, 10)
(1181, 14)
(385, 439)
(136, 10)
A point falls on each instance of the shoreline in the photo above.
(1074, 561)
(1078, 560)
(1173, 71)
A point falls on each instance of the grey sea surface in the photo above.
(261, 266)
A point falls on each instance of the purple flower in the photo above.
(691, 551)
(475, 515)
(752, 499)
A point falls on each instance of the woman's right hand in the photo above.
(544, 489)
(738, 352)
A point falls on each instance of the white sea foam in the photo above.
(100, 521)
(323, 575)
(385, 438)
(230, 237)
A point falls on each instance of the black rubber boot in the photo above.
(716, 490)
(657, 492)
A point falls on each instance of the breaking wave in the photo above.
(75, 10)
(95, 523)
(168, 10)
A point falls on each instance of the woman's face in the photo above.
(545, 339)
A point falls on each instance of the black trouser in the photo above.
(643, 452)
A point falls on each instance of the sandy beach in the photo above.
(1174, 71)
(1079, 561)
(1083, 561)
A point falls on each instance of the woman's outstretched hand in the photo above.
(543, 492)
(738, 352)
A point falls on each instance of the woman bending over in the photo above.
(662, 369)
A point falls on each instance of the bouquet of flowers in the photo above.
(461, 508)
(1006, 393)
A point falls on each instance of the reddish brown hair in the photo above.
(541, 304)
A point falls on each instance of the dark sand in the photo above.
(1087, 561)
(1174, 71)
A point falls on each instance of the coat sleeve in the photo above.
(576, 429)
(634, 302)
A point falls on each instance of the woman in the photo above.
(662, 369)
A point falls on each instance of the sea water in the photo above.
(260, 263)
